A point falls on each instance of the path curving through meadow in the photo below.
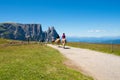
(98, 65)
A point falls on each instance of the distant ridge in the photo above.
(18, 31)
(102, 40)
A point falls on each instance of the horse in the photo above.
(63, 42)
(58, 41)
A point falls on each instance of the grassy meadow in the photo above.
(34, 62)
(3, 41)
(107, 48)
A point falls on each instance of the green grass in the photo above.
(107, 48)
(3, 41)
(35, 62)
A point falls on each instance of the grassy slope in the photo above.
(3, 41)
(98, 47)
(35, 62)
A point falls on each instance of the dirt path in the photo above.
(96, 64)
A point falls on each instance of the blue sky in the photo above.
(79, 18)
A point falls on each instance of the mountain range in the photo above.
(34, 32)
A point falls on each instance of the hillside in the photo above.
(18, 31)
(34, 62)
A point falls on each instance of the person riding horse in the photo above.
(63, 40)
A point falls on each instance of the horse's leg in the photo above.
(64, 42)
(63, 45)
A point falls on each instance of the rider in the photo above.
(63, 39)
(63, 36)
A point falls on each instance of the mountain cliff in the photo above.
(19, 31)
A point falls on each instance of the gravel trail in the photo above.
(99, 65)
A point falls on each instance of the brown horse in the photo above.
(57, 41)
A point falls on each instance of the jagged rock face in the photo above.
(23, 31)
(51, 33)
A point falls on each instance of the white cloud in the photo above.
(96, 31)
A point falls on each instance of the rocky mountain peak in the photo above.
(20, 31)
